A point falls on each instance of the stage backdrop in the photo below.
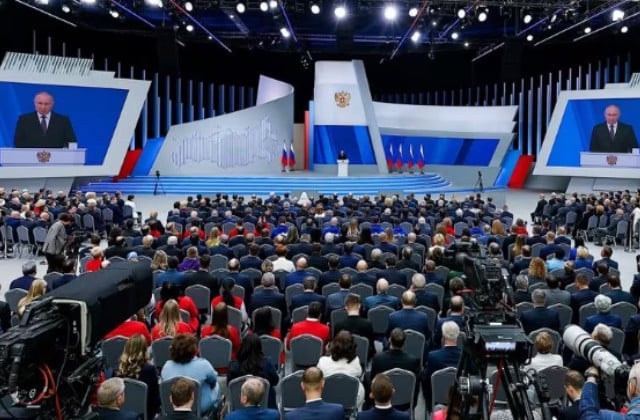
(246, 142)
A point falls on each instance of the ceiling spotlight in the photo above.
(553, 18)
(340, 12)
(66, 9)
(527, 18)
(482, 16)
(285, 32)
(264, 6)
(114, 13)
(188, 6)
(43, 2)
(189, 28)
(624, 29)
(273, 4)
(315, 8)
(154, 3)
(587, 30)
(529, 37)
(466, 44)
(413, 12)
(241, 7)
(390, 12)
(617, 15)
(461, 13)
(455, 35)
(415, 37)
(82, 1)
(434, 23)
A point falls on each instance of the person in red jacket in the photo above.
(169, 291)
(131, 327)
(169, 323)
(220, 326)
(97, 262)
(311, 325)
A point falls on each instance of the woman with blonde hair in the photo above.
(583, 259)
(160, 261)
(134, 364)
(438, 242)
(170, 323)
(516, 251)
(537, 271)
(38, 288)
(214, 238)
(497, 228)
(353, 231)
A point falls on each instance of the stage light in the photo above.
(413, 12)
(529, 37)
(553, 18)
(527, 18)
(455, 35)
(461, 13)
(624, 29)
(273, 4)
(466, 44)
(114, 13)
(285, 32)
(587, 30)
(241, 7)
(415, 37)
(43, 2)
(88, 2)
(264, 6)
(617, 15)
(188, 6)
(340, 12)
(482, 16)
(66, 8)
(390, 12)
(315, 8)
(154, 3)
(434, 23)
(189, 28)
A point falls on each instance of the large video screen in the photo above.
(93, 113)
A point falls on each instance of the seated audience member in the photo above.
(381, 392)
(230, 299)
(307, 296)
(362, 275)
(544, 358)
(573, 383)
(111, 398)
(392, 273)
(169, 291)
(182, 399)
(540, 316)
(268, 296)
(582, 296)
(430, 273)
(185, 362)
(354, 323)
(606, 254)
(311, 325)
(521, 293)
(240, 279)
(169, 322)
(603, 305)
(191, 261)
(447, 356)
(456, 314)
(409, 318)
(172, 275)
(282, 263)
(37, 290)
(554, 294)
(602, 334)
(69, 273)
(251, 394)
(583, 259)
(424, 297)
(264, 325)
(203, 277)
(297, 276)
(97, 261)
(382, 297)
(336, 300)
(29, 270)
(616, 294)
(134, 364)
(172, 248)
(131, 327)
(601, 277)
(314, 408)
(220, 326)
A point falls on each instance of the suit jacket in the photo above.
(356, 325)
(251, 413)
(383, 414)
(305, 298)
(618, 295)
(29, 131)
(365, 278)
(393, 276)
(381, 299)
(317, 410)
(335, 301)
(409, 319)
(436, 343)
(439, 359)
(268, 297)
(623, 141)
(609, 319)
(425, 298)
(394, 358)
(579, 298)
(571, 412)
(110, 414)
(540, 317)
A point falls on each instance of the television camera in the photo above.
(49, 363)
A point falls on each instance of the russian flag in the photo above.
(399, 157)
(292, 156)
(283, 159)
(410, 162)
(421, 158)
(390, 156)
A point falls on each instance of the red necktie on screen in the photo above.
(43, 124)
(612, 132)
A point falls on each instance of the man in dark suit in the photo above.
(603, 306)
(583, 296)
(392, 274)
(602, 271)
(616, 294)
(309, 295)
(381, 297)
(456, 307)
(573, 383)
(424, 297)
(554, 294)
(314, 408)
(298, 276)
(521, 294)
(182, 399)
(539, 316)
(612, 136)
(395, 357)
(43, 128)
(269, 295)
(203, 277)
(354, 323)
(381, 392)
(408, 318)
(362, 276)
(336, 300)
(111, 398)
(537, 212)
(69, 273)
(523, 261)
(606, 254)
(317, 260)
(241, 279)
(251, 394)
(447, 356)
(332, 274)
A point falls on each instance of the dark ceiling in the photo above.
(364, 30)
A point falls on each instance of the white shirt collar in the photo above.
(384, 407)
(47, 116)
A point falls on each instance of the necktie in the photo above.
(43, 124)
(612, 132)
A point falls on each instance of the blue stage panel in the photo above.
(354, 140)
(441, 150)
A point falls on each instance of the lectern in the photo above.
(343, 167)
(609, 160)
(38, 156)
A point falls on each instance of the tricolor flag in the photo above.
(390, 156)
(410, 162)
(399, 157)
(292, 157)
(421, 158)
(283, 159)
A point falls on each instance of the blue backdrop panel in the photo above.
(580, 115)
(94, 113)
(148, 156)
(354, 140)
(441, 150)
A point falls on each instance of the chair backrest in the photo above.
(338, 315)
(160, 350)
(329, 289)
(604, 288)
(39, 234)
(362, 349)
(276, 316)
(218, 261)
(571, 288)
(379, 317)
(217, 350)
(442, 272)
(13, 296)
(235, 317)
(555, 381)
(341, 389)
(396, 290)
(617, 340)
(299, 314)
(272, 347)
(254, 275)
(291, 394)
(291, 291)
(51, 277)
(88, 222)
(437, 290)
(362, 290)
(431, 315)
(236, 385)
(587, 272)
(165, 395)
(586, 311)
(624, 310)
(201, 296)
(135, 397)
(565, 312)
(404, 382)
(83, 263)
(441, 381)
(112, 350)
(237, 291)
(185, 316)
(555, 336)
(523, 306)
(306, 350)
(414, 344)
(23, 235)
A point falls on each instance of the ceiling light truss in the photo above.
(630, 14)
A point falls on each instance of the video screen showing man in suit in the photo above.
(43, 128)
(613, 136)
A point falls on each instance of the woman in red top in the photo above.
(227, 297)
(169, 323)
(167, 292)
(264, 325)
(220, 326)
(95, 264)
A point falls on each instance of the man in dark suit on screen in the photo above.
(612, 136)
(43, 128)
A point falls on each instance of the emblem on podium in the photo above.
(43, 156)
(342, 99)
(612, 160)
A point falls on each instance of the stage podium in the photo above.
(39, 157)
(609, 160)
(343, 167)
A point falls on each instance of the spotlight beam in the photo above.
(617, 22)
(538, 23)
(288, 21)
(487, 52)
(606, 9)
(411, 30)
(443, 35)
(132, 13)
(44, 12)
(200, 25)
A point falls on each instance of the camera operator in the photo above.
(590, 406)
(55, 242)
